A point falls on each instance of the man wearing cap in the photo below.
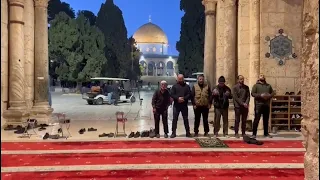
(221, 95)
(160, 104)
(201, 101)
(262, 93)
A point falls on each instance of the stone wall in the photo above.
(286, 15)
(4, 57)
(243, 39)
(310, 91)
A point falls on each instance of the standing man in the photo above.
(201, 101)
(262, 93)
(221, 95)
(160, 104)
(116, 92)
(241, 99)
(180, 93)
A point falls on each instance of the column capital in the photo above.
(16, 3)
(41, 3)
(209, 6)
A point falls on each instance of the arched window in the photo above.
(154, 49)
(161, 50)
(148, 49)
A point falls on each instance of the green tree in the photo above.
(191, 43)
(89, 16)
(117, 51)
(134, 71)
(56, 6)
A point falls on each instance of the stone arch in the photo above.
(170, 68)
(151, 68)
(143, 67)
(161, 68)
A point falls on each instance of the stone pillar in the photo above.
(254, 57)
(210, 41)
(29, 52)
(16, 112)
(230, 41)
(4, 57)
(41, 109)
(310, 90)
(219, 41)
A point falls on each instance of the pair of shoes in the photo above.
(81, 131)
(92, 129)
(145, 134)
(106, 135)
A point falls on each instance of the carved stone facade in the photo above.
(24, 87)
(241, 33)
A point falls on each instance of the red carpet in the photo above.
(149, 157)
(9, 146)
(175, 174)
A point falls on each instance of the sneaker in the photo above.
(158, 136)
(165, 135)
(173, 135)
(268, 136)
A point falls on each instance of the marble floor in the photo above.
(102, 118)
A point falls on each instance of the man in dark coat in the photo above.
(241, 99)
(221, 95)
(180, 93)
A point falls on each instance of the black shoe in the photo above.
(59, 130)
(131, 135)
(9, 128)
(41, 129)
(81, 131)
(165, 135)
(103, 135)
(46, 136)
(137, 134)
(19, 131)
(111, 135)
(173, 135)
(92, 129)
(205, 134)
(152, 133)
(195, 135)
(287, 93)
(158, 135)
(188, 135)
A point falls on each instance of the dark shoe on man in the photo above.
(165, 135)
(188, 135)
(205, 134)
(268, 136)
(158, 136)
(173, 135)
(195, 135)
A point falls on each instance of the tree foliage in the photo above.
(89, 16)
(76, 48)
(191, 43)
(110, 21)
(56, 6)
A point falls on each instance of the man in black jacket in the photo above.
(180, 93)
(221, 95)
(241, 99)
(262, 93)
(160, 104)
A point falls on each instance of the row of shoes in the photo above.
(81, 131)
(148, 133)
(297, 117)
(280, 104)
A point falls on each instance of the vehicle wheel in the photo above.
(133, 99)
(90, 102)
(99, 101)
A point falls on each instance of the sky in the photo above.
(164, 13)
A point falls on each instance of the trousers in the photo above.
(164, 116)
(217, 117)
(204, 111)
(184, 111)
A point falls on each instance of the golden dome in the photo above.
(150, 33)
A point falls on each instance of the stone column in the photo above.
(210, 41)
(254, 57)
(230, 41)
(220, 41)
(4, 57)
(16, 112)
(41, 109)
(29, 52)
(310, 90)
